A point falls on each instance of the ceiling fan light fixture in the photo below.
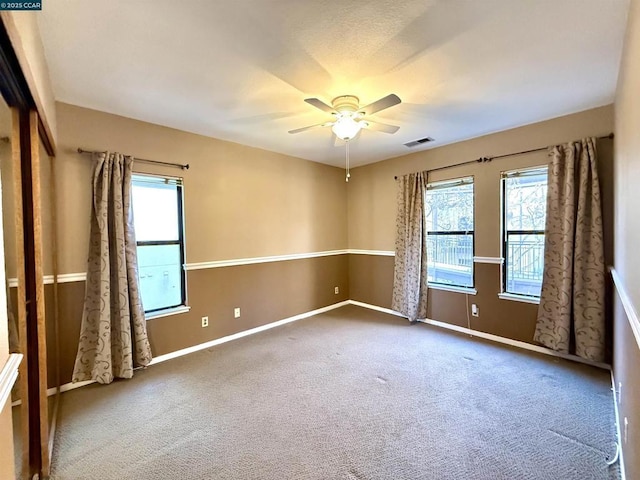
(346, 128)
(349, 118)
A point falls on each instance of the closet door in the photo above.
(10, 425)
(35, 302)
(25, 168)
(24, 261)
(22, 175)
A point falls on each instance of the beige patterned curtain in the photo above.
(113, 336)
(410, 269)
(571, 312)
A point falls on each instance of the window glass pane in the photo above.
(449, 208)
(450, 259)
(160, 273)
(525, 201)
(525, 262)
(155, 211)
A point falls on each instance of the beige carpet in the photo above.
(351, 394)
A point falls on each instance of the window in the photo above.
(449, 221)
(524, 212)
(158, 220)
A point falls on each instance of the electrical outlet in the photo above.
(236, 312)
(475, 311)
(205, 322)
(336, 290)
(626, 429)
(619, 392)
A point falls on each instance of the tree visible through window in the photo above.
(158, 219)
(524, 214)
(449, 222)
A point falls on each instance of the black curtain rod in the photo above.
(144, 160)
(488, 159)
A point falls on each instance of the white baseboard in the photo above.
(489, 336)
(375, 307)
(185, 351)
(617, 414)
(235, 336)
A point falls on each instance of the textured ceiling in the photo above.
(239, 70)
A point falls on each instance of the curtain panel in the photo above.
(571, 315)
(113, 336)
(410, 268)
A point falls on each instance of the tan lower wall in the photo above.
(6, 443)
(626, 371)
(371, 281)
(265, 293)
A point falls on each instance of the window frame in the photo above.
(505, 232)
(454, 182)
(179, 183)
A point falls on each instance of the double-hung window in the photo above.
(524, 196)
(449, 222)
(158, 220)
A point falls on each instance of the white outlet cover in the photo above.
(236, 312)
(619, 392)
(205, 322)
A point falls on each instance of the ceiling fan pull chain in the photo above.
(347, 161)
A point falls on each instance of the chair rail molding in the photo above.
(630, 311)
(8, 377)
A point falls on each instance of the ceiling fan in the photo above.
(349, 116)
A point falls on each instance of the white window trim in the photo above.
(455, 182)
(452, 288)
(167, 312)
(503, 176)
(179, 182)
(519, 298)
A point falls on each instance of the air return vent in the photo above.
(420, 141)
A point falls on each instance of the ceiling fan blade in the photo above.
(298, 130)
(319, 104)
(385, 102)
(381, 127)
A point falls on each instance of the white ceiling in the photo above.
(239, 70)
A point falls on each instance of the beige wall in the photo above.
(6, 428)
(5, 155)
(627, 237)
(239, 201)
(627, 173)
(6, 443)
(372, 188)
(24, 33)
(372, 204)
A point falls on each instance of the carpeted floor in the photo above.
(351, 394)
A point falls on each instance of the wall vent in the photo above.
(420, 141)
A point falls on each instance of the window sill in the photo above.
(451, 288)
(519, 298)
(167, 312)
